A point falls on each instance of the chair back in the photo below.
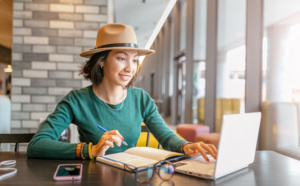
(147, 139)
(16, 138)
(150, 140)
(281, 125)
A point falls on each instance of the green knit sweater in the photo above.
(84, 109)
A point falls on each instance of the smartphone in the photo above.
(68, 172)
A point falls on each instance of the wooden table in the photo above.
(269, 168)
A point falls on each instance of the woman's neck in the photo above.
(110, 94)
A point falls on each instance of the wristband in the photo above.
(182, 146)
(90, 151)
(81, 153)
(78, 148)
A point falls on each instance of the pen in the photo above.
(123, 142)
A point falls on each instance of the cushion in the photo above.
(211, 138)
(190, 131)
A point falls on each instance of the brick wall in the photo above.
(48, 36)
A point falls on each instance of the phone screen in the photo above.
(68, 172)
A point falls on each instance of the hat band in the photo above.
(132, 45)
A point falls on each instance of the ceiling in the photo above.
(131, 12)
(143, 15)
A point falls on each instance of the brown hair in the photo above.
(92, 71)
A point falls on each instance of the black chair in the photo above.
(145, 129)
(65, 135)
(16, 138)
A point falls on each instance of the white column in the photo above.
(188, 113)
(278, 87)
(222, 76)
(254, 35)
(211, 64)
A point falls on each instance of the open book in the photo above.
(138, 157)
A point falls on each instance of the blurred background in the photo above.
(212, 57)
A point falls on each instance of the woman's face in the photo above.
(120, 66)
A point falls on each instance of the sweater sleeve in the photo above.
(44, 144)
(158, 128)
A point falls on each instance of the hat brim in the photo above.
(142, 52)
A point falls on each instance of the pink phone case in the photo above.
(63, 174)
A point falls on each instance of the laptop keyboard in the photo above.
(197, 165)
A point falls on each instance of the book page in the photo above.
(126, 158)
(152, 153)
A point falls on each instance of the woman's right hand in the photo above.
(107, 140)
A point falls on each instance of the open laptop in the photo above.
(236, 150)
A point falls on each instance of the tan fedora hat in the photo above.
(115, 36)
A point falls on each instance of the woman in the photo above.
(110, 102)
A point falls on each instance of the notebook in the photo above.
(236, 150)
(138, 158)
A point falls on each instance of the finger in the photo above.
(109, 142)
(208, 148)
(202, 151)
(214, 149)
(103, 138)
(99, 150)
(190, 152)
(116, 139)
(116, 132)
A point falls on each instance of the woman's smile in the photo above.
(125, 77)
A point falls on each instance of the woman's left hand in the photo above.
(192, 149)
